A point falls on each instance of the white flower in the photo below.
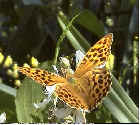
(65, 62)
(49, 90)
(79, 56)
(55, 69)
(77, 116)
(3, 117)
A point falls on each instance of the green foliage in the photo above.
(7, 104)
(33, 27)
(28, 94)
(91, 22)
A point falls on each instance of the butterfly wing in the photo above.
(98, 82)
(96, 56)
(41, 76)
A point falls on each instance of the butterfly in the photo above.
(85, 89)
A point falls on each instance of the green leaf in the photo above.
(89, 20)
(28, 94)
(124, 96)
(32, 2)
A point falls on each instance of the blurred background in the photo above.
(30, 32)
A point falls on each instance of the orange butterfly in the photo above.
(90, 82)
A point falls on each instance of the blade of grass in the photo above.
(79, 38)
(70, 36)
(8, 90)
(124, 97)
(7, 105)
(119, 109)
(62, 38)
(83, 42)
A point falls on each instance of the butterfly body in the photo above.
(88, 85)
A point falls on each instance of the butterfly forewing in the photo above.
(41, 76)
(96, 56)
